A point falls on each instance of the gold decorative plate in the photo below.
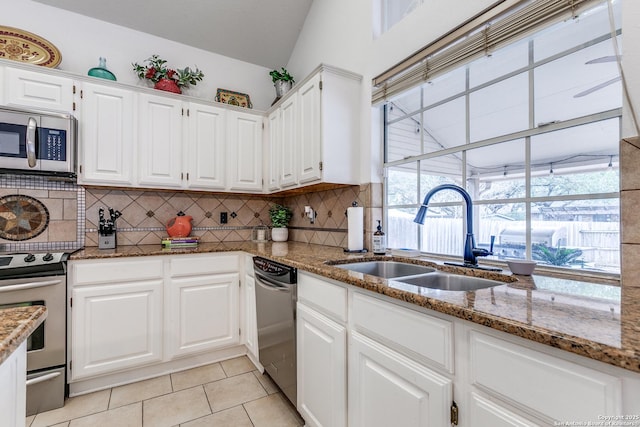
(23, 46)
(22, 217)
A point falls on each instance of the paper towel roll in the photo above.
(355, 218)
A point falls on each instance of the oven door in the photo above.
(46, 345)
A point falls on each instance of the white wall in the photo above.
(82, 40)
(340, 34)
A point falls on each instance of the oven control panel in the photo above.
(25, 264)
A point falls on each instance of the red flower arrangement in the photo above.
(155, 70)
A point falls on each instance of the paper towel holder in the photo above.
(356, 251)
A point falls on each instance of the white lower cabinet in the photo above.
(484, 412)
(202, 313)
(13, 388)
(389, 389)
(144, 312)
(116, 326)
(250, 330)
(321, 359)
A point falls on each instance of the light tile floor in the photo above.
(230, 393)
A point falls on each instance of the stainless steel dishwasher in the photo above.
(276, 297)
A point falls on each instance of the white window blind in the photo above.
(504, 23)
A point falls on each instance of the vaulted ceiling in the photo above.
(261, 32)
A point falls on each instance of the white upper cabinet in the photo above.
(319, 130)
(160, 141)
(244, 142)
(289, 140)
(106, 154)
(205, 148)
(272, 144)
(33, 89)
(310, 146)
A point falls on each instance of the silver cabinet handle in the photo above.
(31, 142)
(43, 378)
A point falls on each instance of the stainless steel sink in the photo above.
(450, 282)
(386, 269)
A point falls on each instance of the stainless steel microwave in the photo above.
(37, 142)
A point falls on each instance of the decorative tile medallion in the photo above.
(22, 217)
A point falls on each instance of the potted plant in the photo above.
(280, 217)
(282, 80)
(165, 78)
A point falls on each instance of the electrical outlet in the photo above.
(223, 218)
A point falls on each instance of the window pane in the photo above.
(446, 86)
(442, 231)
(402, 185)
(444, 125)
(500, 109)
(589, 87)
(499, 63)
(497, 171)
(579, 157)
(401, 231)
(574, 32)
(394, 10)
(505, 221)
(440, 170)
(403, 139)
(582, 234)
(405, 103)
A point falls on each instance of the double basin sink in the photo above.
(419, 275)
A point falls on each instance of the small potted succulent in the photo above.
(165, 78)
(282, 80)
(280, 217)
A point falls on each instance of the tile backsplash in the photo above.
(146, 212)
(64, 202)
(73, 213)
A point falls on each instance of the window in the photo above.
(392, 11)
(531, 131)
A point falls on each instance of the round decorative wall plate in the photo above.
(23, 46)
(22, 217)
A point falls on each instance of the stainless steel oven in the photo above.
(40, 279)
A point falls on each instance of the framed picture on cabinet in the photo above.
(233, 98)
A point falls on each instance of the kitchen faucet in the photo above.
(470, 250)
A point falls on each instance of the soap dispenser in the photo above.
(379, 241)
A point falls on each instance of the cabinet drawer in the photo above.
(204, 264)
(116, 270)
(416, 334)
(544, 385)
(324, 296)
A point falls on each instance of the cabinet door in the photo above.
(289, 141)
(115, 327)
(250, 322)
(245, 151)
(202, 313)
(13, 388)
(310, 148)
(322, 370)
(25, 88)
(205, 147)
(160, 142)
(274, 142)
(107, 135)
(388, 389)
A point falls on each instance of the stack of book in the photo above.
(180, 242)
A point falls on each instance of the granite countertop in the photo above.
(16, 324)
(590, 317)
